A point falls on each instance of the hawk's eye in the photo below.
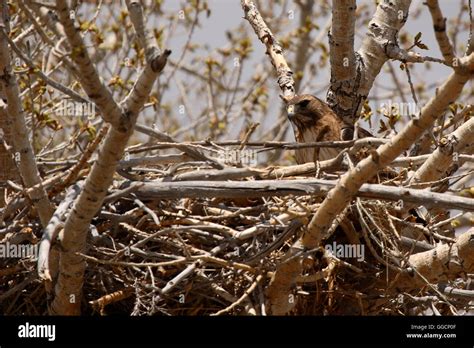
(303, 103)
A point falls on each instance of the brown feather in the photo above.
(314, 121)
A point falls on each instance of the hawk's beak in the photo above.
(290, 111)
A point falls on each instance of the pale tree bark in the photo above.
(342, 55)
(470, 41)
(306, 8)
(268, 188)
(50, 232)
(190, 151)
(449, 55)
(348, 98)
(439, 27)
(274, 49)
(68, 288)
(341, 41)
(19, 132)
(448, 151)
(7, 165)
(443, 263)
(46, 20)
(88, 77)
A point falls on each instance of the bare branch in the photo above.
(20, 137)
(314, 187)
(448, 150)
(439, 26)
(342, 55)
(445, 262)
(274, 49)
(88, 76)
(73, 237)
(383, 29)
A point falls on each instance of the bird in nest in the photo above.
(314, 121)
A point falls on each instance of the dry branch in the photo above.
(51, 231)
(20, 135)
(88, 76)
(439, 27)
(185, 148)
(73, 237)
(382, 33)
(274, 49)
(445, 262)
(313, 187)
(342, 55)
(448, 151)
